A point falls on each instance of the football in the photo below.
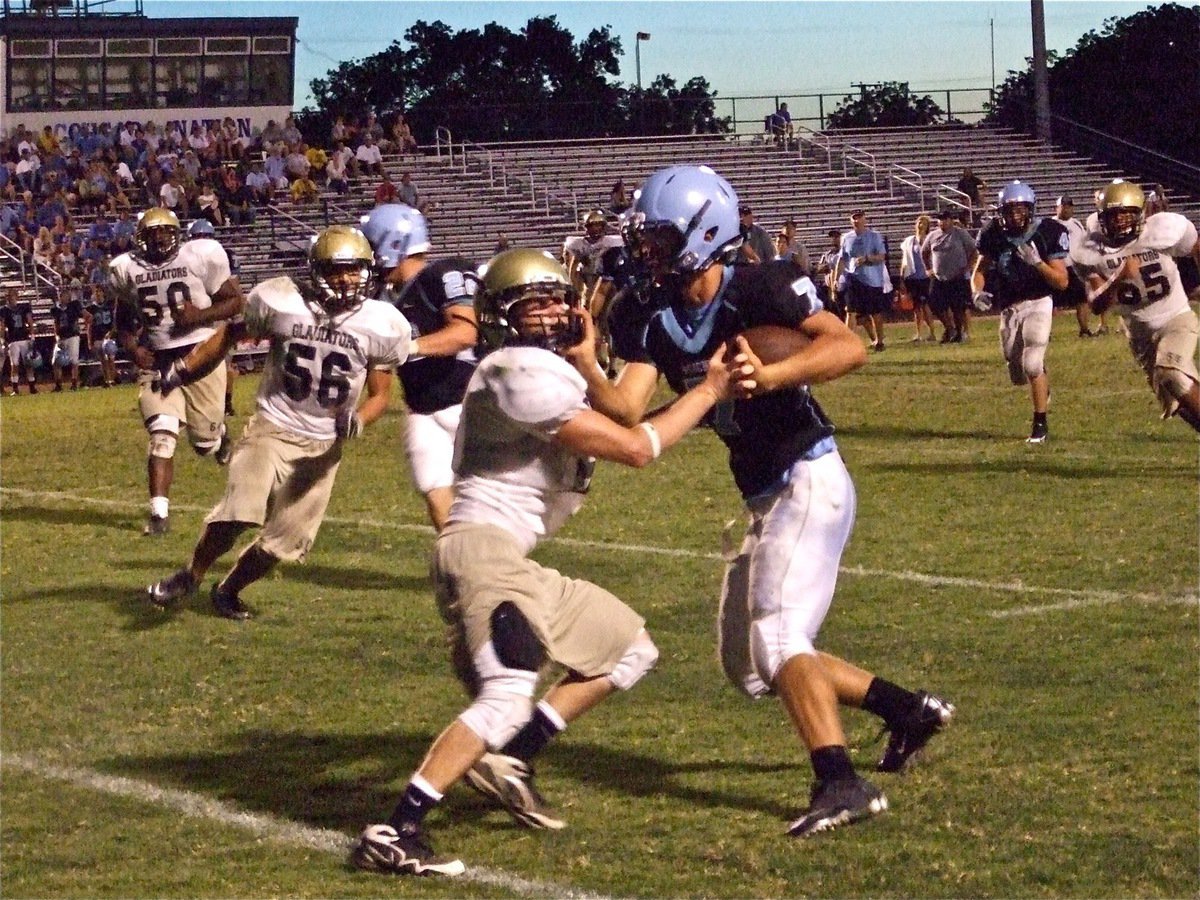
(771, 343)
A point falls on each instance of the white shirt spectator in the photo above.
(123, 174)
(369, 154)
(171, 195)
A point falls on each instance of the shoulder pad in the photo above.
(534, 386)
(1169, 232)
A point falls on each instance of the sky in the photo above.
(742, 48)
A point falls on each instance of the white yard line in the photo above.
(267, 827)
(1074, 598)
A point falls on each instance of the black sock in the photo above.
(412, 808)
(832, 763)
(890, 702)
(1039, 418)
(530, 740)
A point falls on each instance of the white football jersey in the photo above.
(317, 364)
(588, 253)
(194, 274)
(509, 472)
(1156, 295)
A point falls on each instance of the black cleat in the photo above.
(930, 716)
(1039, 434)
(381, 848)
(229, 606)
(224, 450)
(840, 802)
(164, 593)
(156, 526)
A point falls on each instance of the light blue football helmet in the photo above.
(396, 231)
(1016, 203)
(683, 219)
(201, 228)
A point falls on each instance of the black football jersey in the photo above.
(102, 320)
(1012, 280)
(66, 318)
(432, 383)
(765, 435)
(16, 318)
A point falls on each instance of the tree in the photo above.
(495, 84)
(1138, 79)
(882, 105)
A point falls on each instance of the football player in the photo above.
(169, 296)
(437, 298)
(202, 228)
(328, 340)
(66, 314)
(1130, 261)
(782, 453)
(99, 321)
(16, 319)
(1022, 259)
(581, 252)
(524, 458)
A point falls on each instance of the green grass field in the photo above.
(1050, 592)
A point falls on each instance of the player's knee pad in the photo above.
(505, 699)
(639, 659)
(162, 444)
(206, 446)
(1033, 363)
(517, 647)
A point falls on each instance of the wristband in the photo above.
(652, 436)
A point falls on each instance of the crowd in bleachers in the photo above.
(213, 172)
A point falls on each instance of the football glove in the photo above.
(982, 300)
(1028, 254)
(176, 375)
(348, 425)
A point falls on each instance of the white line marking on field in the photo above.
(1076, 597)
(267, 827)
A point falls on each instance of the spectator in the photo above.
(189, 165)
(407, 193)
(276, 168)
(101, 231)
(239, 204)
(369, 159)
(618, 197)
(173, 196)
(259, 184)
(208, 204)
(291, 134)
(47, 143)
(973, 186)
(915, 276)
(502, 244)
(403, 140)
(788, 246)
(385, 192)
(27, 175)
(338, 178)
(374, 129)
(338, 131)
(949, 254)
(832, 293)
(1075, 295)
(318, 160)
(303, 190)
(781, 126)
(296, 162)
(756, 243)
(271, 135)
(197, 140)
(863, 258)
(123, 226)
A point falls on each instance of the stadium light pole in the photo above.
(637, 61)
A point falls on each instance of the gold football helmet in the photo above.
(515, 276)
(594, 225)
(157, 235)
(1122, 209)
(339, 262)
